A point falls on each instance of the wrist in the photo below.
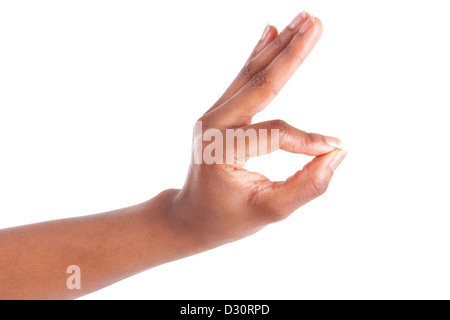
(171, 235)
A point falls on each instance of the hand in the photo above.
(222, 202)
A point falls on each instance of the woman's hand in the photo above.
(220, 201)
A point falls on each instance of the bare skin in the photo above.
(218, 203)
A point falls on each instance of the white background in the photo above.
(98, 100)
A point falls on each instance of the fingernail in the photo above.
(308, 23)
(265, 32)
(334, 142)
(297, 20)
(336, 159)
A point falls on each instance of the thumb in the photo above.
(306, 184)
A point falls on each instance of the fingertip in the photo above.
(333, 142)
(269, 34)
(272, 28)
(318, 23)
(312, 28)
(272, 33)
(336, 159)
(317, 26)
(329, 161)
(320, 144)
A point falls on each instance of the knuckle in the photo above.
(292, 53)
(261, 80)
(203, 122)
(278, 124)
(202, 119)
(282, 128)
(248, 70)
(279, 42)
(318, 183)
(307, 142)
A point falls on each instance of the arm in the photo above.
(107, 247)
(219, 203)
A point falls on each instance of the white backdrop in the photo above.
(98, 100)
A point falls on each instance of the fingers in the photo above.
(263, 54)
(265, 84)
(277, 134)
(269, 34)
(266, 137)
(305, 185)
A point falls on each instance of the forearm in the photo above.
(107, 247)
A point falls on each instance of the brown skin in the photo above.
(218, 204)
